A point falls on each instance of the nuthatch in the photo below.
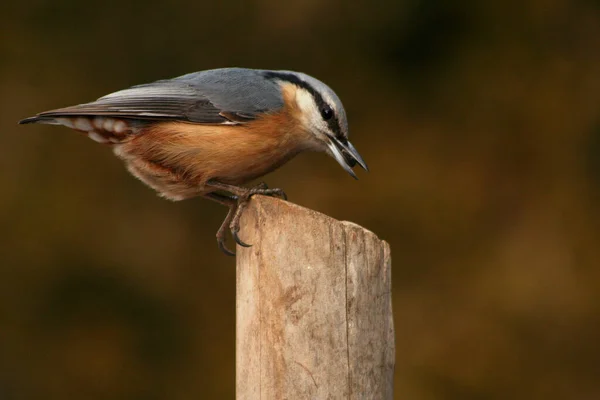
(206, 133)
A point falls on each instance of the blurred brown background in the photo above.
(480, 122)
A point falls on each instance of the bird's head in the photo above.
(323, 116)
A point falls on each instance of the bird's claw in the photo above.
(237, 239)
(281, 194)
(223, 247)
(265, 192)
(237, 203)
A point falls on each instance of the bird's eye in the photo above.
(326, 112)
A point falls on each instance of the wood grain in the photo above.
(314, 310)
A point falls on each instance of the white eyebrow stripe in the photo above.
(329, 101)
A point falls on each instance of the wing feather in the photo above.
(145, 102)
(225, 96)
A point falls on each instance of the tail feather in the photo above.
(41, 119)
(99, 128)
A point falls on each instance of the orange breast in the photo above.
(177, 158)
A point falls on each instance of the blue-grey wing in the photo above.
(221, 96)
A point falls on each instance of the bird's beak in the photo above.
(346, 155)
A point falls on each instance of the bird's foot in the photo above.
(237, 204)
(222, 232)
(242, 203)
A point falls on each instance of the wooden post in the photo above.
(314, 310)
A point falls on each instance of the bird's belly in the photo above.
(237, 170)
(178, 166)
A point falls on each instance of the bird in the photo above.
(207, 133)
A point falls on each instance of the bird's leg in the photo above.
(232, 203)
(242, 196)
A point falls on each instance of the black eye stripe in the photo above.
(326, 112)
(333, 123)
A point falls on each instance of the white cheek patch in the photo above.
(311, 116)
